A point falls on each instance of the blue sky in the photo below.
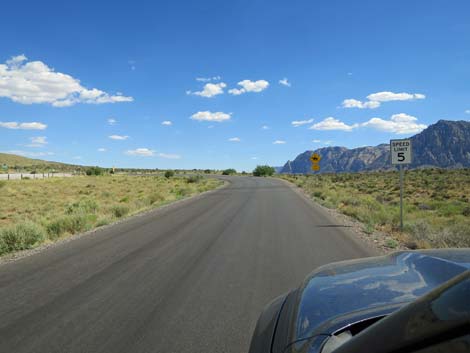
(364, 71)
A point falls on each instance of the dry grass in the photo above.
(437, 203)
(34, 211)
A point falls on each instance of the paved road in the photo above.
(192, 278)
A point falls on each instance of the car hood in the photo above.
(353, 290)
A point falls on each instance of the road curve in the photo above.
(191, 278)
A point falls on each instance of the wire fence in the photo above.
(19, 176)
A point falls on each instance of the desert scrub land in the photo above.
(436, 203)
(37, 211)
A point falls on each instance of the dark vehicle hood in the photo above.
(350, 291)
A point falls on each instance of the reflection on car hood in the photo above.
(344, 287)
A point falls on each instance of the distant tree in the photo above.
(229, 171)
(207, 171)
(169, 174)
(263, 170)
(94, 171)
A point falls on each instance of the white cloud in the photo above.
(254, 158)
(34, 82)
(297, 123)
(209, 116)
(167, 123)
(23, 126)
(143, 152)
(30, 154)
(118, 137)
(112, 121)
(102, 149)
(331, 123)
(375, 99)
(169, 156)
(249, 86)
(316, 141)
(467, 111)
(208, 79)
(265, 127)
(354, 103)
(38, 141)
(391, 96)
(279, 142)
(210, 90)
(285, 82)
(399, 124)
(234, 139)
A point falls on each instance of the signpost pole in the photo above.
(401, 197)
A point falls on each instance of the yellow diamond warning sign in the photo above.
(315, 158)
(315, 167)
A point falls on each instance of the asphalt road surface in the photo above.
(191, 278)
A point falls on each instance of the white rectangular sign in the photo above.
(400, 151)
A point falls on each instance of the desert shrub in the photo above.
(68, 224)
(263, 170)
(194, 179)
(155, 197)
(119, 211)
(2, 183)
(82, 206)
(229, 171)
(94, 171)
(21, 236)
(102, 222)
(184, 191)
(169, 174)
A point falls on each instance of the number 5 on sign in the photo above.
(400, 151)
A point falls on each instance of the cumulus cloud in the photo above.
(234, 139)
(331, 123)
(391, 96)
(30, 154)
(467, 111)
(112, 121)
(23, 126)
(399, 124)
(316, 141)
(167, 123)
(376, 99)
(249, 86)
(285, 82)
(211, 116)
(297, 123)
(354, 103)
(169, 156)
(210, 90)
(208, 79)
(29, 82)
(279, 142)
(38, 141)
(142, 152)
(118, 137)
(265, 127)
(102, 150)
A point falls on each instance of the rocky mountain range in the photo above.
(445, 144)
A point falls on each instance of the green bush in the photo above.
(94, 171)
(229, 171)
(21, 236)
(69, 224)
(119, 211)
(263, 170)
(169, 174)
(82, 206)
(194, 179)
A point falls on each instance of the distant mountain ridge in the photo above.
(445, 144)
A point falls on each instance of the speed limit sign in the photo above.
(400, 151)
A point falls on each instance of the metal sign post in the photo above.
(400, 153)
